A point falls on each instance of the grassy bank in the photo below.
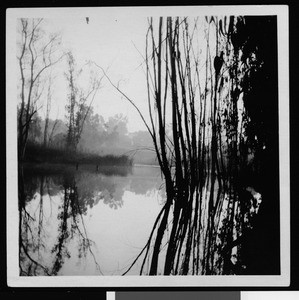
(36, 153)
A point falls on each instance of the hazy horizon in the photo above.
(112, 44)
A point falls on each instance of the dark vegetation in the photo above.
(261, 100)
(36, 153)
(101, 142)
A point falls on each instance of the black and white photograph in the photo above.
(148, 146)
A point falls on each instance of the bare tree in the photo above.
(78, 107)
(37, 53)
(48, 109)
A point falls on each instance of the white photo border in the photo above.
(13, 278)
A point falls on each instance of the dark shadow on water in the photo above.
(207, 241)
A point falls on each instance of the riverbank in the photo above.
(36, 154)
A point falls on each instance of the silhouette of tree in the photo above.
(77, 108)
(37, 53)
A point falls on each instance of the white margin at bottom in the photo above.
(110, 295)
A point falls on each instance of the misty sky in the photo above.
(111, 39)
(111, 42)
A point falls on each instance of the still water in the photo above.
(87, 222)
(99, 222)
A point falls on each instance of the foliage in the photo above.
(99, 137)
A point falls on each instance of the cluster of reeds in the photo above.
(195, 77)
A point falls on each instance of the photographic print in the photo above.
(148, 146)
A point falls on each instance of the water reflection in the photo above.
(207, 240)
(57, 213)
(90, 222)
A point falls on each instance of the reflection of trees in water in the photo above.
(70, 217)
(33, 235)
(208, 239)
(110, 188)
(30, 241)
(142, 186)
(94, 187)
(79, 191)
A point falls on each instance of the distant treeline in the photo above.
(101, 142)
(80, 131)
(37, 153)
